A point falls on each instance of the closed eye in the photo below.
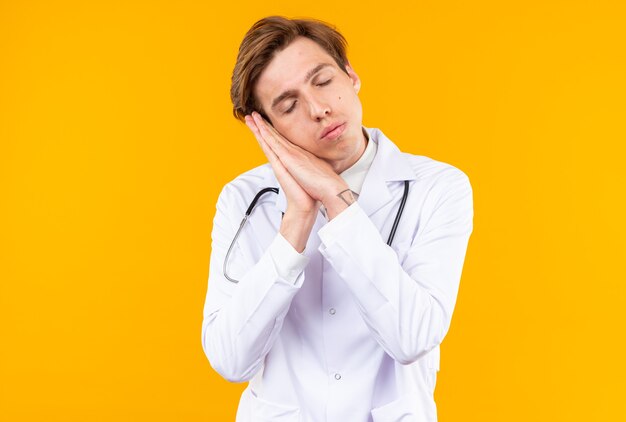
(290, 109)
(293, 105)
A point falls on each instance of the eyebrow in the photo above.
(292, 93)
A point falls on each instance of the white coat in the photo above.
(357, 337)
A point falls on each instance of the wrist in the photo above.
(330, 194)
(337, 203)
(296, 227)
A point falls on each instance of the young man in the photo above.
(308, 301)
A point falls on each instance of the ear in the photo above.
(356, 81)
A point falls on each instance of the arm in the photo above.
(407, 307)
(242, 320)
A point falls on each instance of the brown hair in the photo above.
(268, 36)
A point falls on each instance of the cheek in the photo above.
(351, 102)
(284, 130)
(297, 133)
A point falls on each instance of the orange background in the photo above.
(116, 138)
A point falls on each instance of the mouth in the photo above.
(333, 131)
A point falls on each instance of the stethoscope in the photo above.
(275, 190)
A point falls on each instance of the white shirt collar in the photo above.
(355, 175)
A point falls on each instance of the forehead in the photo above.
(288, 68)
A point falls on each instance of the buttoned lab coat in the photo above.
(356, 337)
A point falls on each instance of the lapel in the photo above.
(389, 165)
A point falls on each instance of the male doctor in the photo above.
(308, 301)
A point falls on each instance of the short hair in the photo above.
(267, 37)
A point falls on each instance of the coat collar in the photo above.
(389, 165)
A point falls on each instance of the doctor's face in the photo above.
(313, 103)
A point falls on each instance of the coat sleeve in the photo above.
(407, 307)
(241, 321)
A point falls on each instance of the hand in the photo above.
(298, 200)
(313, 175)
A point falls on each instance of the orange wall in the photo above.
(116, 137)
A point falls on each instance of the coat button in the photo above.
(331, 311)
(337, 376)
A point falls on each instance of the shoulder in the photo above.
(442, 183)
(446, 190)
(428, 170)
(252, 179)
(443, 188)
(244, 187)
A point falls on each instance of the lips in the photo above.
(332, 129)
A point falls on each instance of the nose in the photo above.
(319, 108)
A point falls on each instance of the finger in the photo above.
(261, 134)
(257, 133)
(274, 160)
(271, 155)
(277, 141)
(252, 126)
(289, 154)
(283, 143)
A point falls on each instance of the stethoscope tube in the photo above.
(257, 196)
(396, 221)
(243, 221)
(275, 190)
